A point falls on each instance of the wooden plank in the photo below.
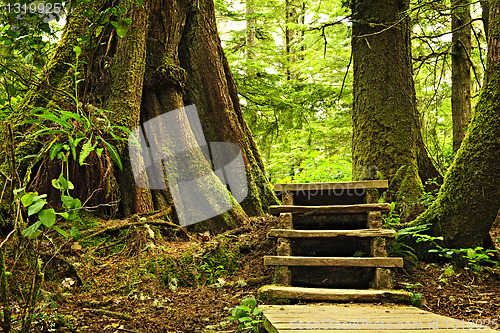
(333, 261)
(333, 209)
(378, 184)
(363, 233)
(334, 295)
(366, 318)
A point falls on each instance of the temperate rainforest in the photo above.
(186, 165)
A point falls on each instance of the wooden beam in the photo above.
(362, 233)
(336, 295)
(334, 209)
(378, 184)
(333, 261)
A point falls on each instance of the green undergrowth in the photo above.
(197, 266)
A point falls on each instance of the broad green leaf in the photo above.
(56, 184)
(122, 27)
(249, 302)
(64, 215)
(36, 207)
(77, 204)
(31, 229)
(63, 182)
(27, 199)
(47, 217)
(67, 201)
(60, 231)
(70, 202)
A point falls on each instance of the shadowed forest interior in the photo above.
(169, 165)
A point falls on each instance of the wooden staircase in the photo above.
(330, 245)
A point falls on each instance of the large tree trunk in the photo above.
(171, 57)
(461, 109)
(469, 199)
(211, 87)
(386, 123)
(385, 130)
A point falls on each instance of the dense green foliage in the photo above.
(297, 100)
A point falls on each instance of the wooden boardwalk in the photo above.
(322, 229)
(365, 318)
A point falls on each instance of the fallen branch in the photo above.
(153, 220)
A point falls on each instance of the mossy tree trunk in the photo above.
(170, 57)
(461, 110)
(469, 199)
(385, 119)
(211, 87)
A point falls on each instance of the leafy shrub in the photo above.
(247, 315)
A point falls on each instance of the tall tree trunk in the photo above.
(211, 87)
(171, 57)
(385, 119)
(250, 29)
(293, 14)
(461, 109)
(469, 199)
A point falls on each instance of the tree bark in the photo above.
(250, 30)
(171, 57)
(293, 38)
(469, 199)
(485, 7)
(385, 130)
(386, 122)
(211, 87)
(461, 109)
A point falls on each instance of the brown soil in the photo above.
(121, 293)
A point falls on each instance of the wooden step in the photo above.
(334, 295)
(334, 209)
(361, 233)
(378, 262)
(335, 186)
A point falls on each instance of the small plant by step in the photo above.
(247, 316)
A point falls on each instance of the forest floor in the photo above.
(152, 279)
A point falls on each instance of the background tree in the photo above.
(460, 70)
(469, 199)
(385, 120)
